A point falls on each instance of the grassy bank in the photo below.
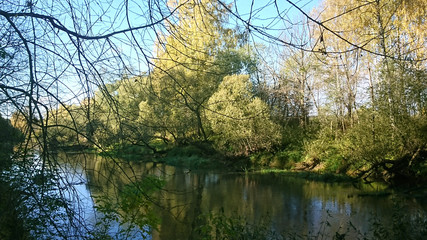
(193, 156)
(291, 161)
(204, 156)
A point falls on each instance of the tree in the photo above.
(190, 67)
(383, 73)
(239, 120)
(296, 78)
(392, 32)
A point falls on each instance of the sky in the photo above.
(268, 9)
(264, 15)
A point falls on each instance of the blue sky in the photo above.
(265, 12)
(264, 15)
(267, 8)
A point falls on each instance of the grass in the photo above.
(203, 156)
(313, 176)
(285, 159)
(194, 156)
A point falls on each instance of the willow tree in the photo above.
(193, 55)
(241, 121)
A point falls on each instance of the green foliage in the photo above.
(325, 148)
(381, 143)
(189, 70)
(127, 152)
(240, 121)
(284, 159)
(287, 159)
(339, 113)
(294, 135)
(11, 221)
(9, 137)
(236, 61)
(261, 159)
(371, 141)
(375, 146)
(32, 205)
(194, 156)
(70, 126)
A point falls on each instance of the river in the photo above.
(286, 205)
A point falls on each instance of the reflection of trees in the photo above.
(177, 205)
(125, 196)
(182, 205)
(292, 204)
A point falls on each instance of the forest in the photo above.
(332, 87)
(356, 108)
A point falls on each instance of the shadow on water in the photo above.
(210, 205)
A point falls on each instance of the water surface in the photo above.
(286, 204)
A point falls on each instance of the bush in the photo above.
(240, 121)
(326, 149)
(384, 147)
(196, 155)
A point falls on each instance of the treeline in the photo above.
(355, 103)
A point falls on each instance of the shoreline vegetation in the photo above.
(203, 156)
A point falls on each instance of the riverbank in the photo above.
(204, 157)
(288, 162)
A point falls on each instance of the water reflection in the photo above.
(292, 204)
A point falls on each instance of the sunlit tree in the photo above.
(193, 55)
(241, 122)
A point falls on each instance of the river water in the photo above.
(283, 204)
